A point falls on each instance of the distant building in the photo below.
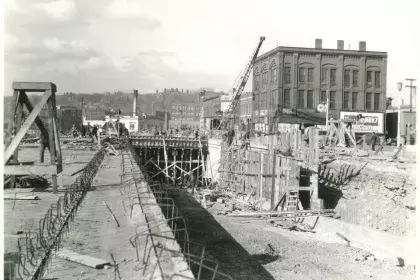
(151, 122)
(212, 113)
(407, 118)
(185, 114)
(287, 80)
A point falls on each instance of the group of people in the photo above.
(89, 131)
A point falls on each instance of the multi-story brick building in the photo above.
(292, 80)
(185, 114)
(244, 109)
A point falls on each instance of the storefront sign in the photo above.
(366, 122)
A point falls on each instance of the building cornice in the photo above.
(321, 51)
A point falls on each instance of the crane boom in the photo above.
(227, 115)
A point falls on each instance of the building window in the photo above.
(332, 100)
(273, 98)
(323, 96)
(301, 75)
(132, 125)
(257, 81)
(310, 99)
(355, 78)
(354, 100)
(369, 78)
(286, 101)
(287, 71)
(368, 101)
(324, 75)
(377, 79)
(376, 102)
(301, 99)
(333, 76)
(310, 75)
(275, 74)
(346, 99)
(347, 77)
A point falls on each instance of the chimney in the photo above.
(318, 43)
(362, 46)
(340, 45)
(157, 91)
(182, 90)
(166, 121)
(136, 93)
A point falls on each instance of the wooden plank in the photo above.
(30, 169)
(22, 131)
(82, 259)
(13, 197)
(34, 86)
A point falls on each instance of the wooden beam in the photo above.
(30, 108)
(22, 131)
(82, 259)
(30, 169)
(34, 86)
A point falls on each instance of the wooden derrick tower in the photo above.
(12, 165)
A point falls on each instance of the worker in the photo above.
(196, 134)
(94, 134)
(83, 130)
(44, 144)
(74, 130)
(89, 130)
(192, 182)
(374, 138)
(230, 136)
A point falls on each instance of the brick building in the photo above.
(185, 114)
(287, 80)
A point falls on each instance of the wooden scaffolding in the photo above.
(18, 130)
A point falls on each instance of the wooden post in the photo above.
(190, 161)
(274, 184)
(260, 174)
(51, 142)
(17, 123)
(182, 164)
(174, 164)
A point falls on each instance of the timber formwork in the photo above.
(18, 129)
(172, 157)
(279, 169)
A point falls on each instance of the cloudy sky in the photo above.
(107, 45)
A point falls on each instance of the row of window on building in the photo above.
(306, 100)
(183, 108)
(328, 76)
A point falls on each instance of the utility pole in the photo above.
(411, 92)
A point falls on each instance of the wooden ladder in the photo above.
(292, 200)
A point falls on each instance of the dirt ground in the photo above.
(373, 193)
(243, 252)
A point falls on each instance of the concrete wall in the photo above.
(383, 245)
(213, 158)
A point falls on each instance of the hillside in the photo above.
(107, 101)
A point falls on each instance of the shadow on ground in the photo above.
(233, 259)
(331, 185)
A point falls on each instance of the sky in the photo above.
(110, 45)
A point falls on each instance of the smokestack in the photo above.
(362, 46)
(318, 43)
(166, 121)
(157, 91)
(136, 93)
(340, 45)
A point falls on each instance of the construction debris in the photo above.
(30, 181)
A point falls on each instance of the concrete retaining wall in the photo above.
(383, 245)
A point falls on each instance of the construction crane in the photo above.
(239, 86)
